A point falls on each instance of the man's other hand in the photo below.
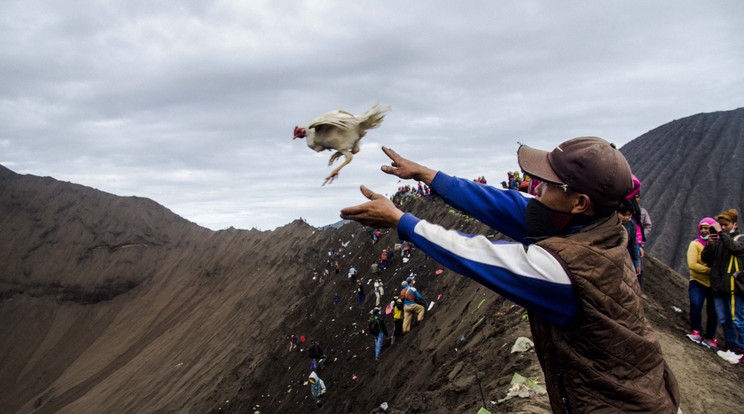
(379, 212)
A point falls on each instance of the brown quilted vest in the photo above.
(607, 359)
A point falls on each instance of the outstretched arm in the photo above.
(532, 278)
(499, 209)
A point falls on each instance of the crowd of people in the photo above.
(716, 260)
(514, 182)
(406, 308)
(420, 190)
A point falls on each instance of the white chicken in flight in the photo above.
(341, 131)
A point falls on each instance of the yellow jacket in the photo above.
(397, 313)
(699, 271)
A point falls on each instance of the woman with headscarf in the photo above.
(699, 289)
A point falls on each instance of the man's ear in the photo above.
(582, 205)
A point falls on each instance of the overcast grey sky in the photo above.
(193, 103)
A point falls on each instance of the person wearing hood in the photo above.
(724, 253)
(568, 265)
(317, 388)
(699, 290)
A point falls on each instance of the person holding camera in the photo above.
(724, 253)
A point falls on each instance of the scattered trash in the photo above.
(522, 344)
(405, 260)
(480, 321)
(179, 365)
(439, 272)
(389, 308)
(479, 305)
(524, 388)
(676, 309)
(483, 411)
(384, 406)
(431, 305)
(439, 296)
(354, 377)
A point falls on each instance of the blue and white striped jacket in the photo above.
(522, 272)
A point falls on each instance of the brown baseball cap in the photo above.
(589, 165)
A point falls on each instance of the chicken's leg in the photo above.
(334, 173)
(334, 157)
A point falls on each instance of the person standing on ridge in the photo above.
(724, 253)
(699, 290)
(569, 267)
(626, 219)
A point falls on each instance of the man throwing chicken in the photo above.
(569, 268)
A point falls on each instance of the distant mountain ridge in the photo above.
(690, 168)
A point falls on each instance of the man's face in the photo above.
(726, 225)
(555, 197)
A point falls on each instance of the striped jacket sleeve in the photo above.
(530, 276)
(502, 210)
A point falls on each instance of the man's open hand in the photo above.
(378, 212)
(403, 168)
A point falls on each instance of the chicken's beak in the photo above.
(298, 132)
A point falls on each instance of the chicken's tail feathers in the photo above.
(373, 117)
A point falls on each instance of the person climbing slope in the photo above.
(412, 304)
(379, 291)
(398, 311)
(317, 388)
(377, 329)
(315, 352)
